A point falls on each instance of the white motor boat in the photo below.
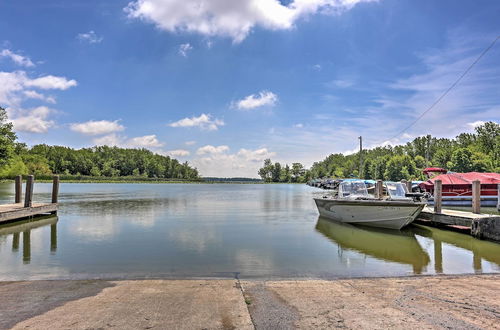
(353, 204)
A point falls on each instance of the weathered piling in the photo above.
(18, 188)
(476, 197)
(379, 189)
(438, 198)
(28, 196)
(498, 197)
(55, 190)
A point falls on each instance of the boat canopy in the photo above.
(353, 188)
(396, 190)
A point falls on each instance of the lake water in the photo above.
(218, 230)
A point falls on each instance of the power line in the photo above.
(448, 90)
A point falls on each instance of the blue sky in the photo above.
(225, 84)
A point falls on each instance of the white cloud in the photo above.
(146, 141)
(255, 101)
(217, 161)
(51, 82)
(475, 124)
(184, 49)
(190, 143)
(30, 94)
(230, 18)
(31, 120)
(91, 37)
(16, 86)
(208, 149)
(299, 125)
(16, 58)
(97, 127)
(178, 153)
(204, 121)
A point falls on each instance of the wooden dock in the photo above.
(480, 225)
(28, 209)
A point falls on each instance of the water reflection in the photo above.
(388, 245)
(25, 228)
(480, 249)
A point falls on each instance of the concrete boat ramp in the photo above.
(428, 302)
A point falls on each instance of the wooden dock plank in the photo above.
(9, 212)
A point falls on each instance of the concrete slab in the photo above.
(151, 304)
(441, 302)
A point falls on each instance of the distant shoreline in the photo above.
(141, 180)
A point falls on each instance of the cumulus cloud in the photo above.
(229, 18)
(184, 49)
(204, 121)
(17, 86)
(253, 101)
(91, 37)
(189, 143)
(31, 120)
(209, 149)
(217, 161)
(178, 153)
(476, 123)
(51, 82)
(30, 94)
(17, 58)
(146, 141)
(97, 127)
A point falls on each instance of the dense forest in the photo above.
(478, 151)
(43, 160)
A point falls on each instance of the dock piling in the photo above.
(19, 188)
(476, 196)
(438, 191)
(498, 197)
(379, 189)
(409, 186)
(28, 196)
(55, 188)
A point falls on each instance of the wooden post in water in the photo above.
(438, 198)
(498, 197)
(28, 198)
(409, 186)
(379, 189)
(19, 188)
(476, 196)
(55, 188)
(403, 182)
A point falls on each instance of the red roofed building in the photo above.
(457, 187)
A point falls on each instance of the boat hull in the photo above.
(374, 213)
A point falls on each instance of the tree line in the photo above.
(478, 151)
(101, 161)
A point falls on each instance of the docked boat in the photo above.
(351, 203)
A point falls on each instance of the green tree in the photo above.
(7, 139)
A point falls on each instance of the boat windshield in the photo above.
(396, 190)
(353, 189)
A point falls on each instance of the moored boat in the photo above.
(352, 204)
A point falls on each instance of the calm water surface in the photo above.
(207, 230)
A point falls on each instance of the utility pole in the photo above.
(427, 150)
(360, 157)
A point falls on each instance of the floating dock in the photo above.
(27, 209)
